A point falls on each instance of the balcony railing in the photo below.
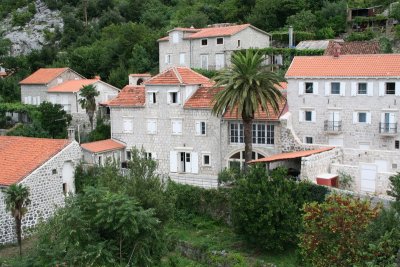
(333, 126)
(387, 128)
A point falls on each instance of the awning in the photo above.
(292, 155)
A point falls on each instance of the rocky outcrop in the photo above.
(31, 36)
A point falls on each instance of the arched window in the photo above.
(237, 159)
(139, 81)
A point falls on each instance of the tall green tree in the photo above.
(17, 200)
(54, 119)
(88, 101)
(248, 86)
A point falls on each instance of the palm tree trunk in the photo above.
(18, 232)
(248, 141)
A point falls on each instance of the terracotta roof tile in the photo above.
(292, 155)
(43, 76)
(103, 146)
(19, 156)
(129, 96)
(178, 75)
(353, 48)
(377, 65)
(72, 86)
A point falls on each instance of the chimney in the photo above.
(71, 133)
(290, 36)
(336, 50)
(138, 78)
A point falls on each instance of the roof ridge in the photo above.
(178, 75)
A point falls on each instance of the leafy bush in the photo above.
(228, 175)
(361, 36)
(101, 132)
(332, 234)
(325, 33)
(21, 18)
(345, 180)
(207, 73)
(100, 228)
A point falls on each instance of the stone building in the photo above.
(46, 167)
(99, 152)
(208, 48)
(350, 101)
(170, 117)
(62, 86)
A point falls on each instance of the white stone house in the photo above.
(170, 117)
(350, 101)
(208, 48)
(46, 167)
(62, 86)
(100, 152)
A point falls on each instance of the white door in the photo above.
(335, 141)
(219, 61)
(204, 61)
(68, 177)
(368, 177)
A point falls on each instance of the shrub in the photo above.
(21, 18)
(332, 234)
(361, 36)
(101, 132)
(345, 180)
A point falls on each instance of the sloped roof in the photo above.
(291, 155)
(103, 146)
(43, 76)
(72, 86)
(377, 65)
(178, 76)
(19, 156)
(216, 31)
(312, 44)
(129, 96)
(353, 48)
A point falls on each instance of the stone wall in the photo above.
(317, 164)
(46, 193)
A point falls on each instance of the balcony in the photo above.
(333, 127)
(387, 129)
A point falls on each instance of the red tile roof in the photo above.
(20, 156)
(178, 75)
(292, 155)
(3, 73)
(129, 96)
(203, 97)
(72, 86)
(212, 31)
(378, 65)
(353, 48)
(103, 146)
(43, 76)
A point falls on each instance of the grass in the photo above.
(214, 236)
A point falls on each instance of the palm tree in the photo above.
(88, 101)
(17, 200)
(248, 87)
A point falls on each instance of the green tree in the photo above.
(249, 87)
(88, 101)
(305, 20)
(17, 200)
(54, 119)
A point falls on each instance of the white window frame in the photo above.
(151, 96)
(175, 37)
(216, 40)
(170, 98)
(201, 61)
(356, 117)
(201, 42)
(151, 130)
(199, 128)
(168, 59)
(182, 59)
(176, 121)
(203, 155)
(306, 137)
(123, 124)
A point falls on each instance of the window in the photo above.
(270, 134)
(236, 161)
(262, 133)
(181, 58)
(175, 38)
(65, 188)
(168, 59)
(308, 140)
(151, 126)
(128, 155)
(390, 88)
(397, 144)
(152, 97)
(238, 43)
(54, 171)
(335, 88)
(206, 160)
(204, 61)
(258, 133)
(204, 42)
(127, 125)
(220, 40)
(236, 132)
(148, 155)
(362, 89)
(309, 88)
(308, 115)
(173, 96)
(176, 127)
(200, 128)
(362, 117)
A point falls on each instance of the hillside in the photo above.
(113, 38)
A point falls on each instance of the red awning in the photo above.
(292, 155)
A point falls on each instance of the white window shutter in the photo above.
(150, 97)
(173, 161)
(178, 95)
(370, 88)
(313, 116)
(397, 88)
(381, 89)
(343, 88)
(38, 100)
(198, 128)
(154, 156)
(179, 127)
(166, 58)
(315, 84)
(301, 88)
(392, 118)
(382, 117)
(369, 117)
(169, 98)
(29, 100)
(195, 162)
(327, 88)
(353, 89)
(34, 100)
(301, 114)
(26, 99)
(355, 117)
